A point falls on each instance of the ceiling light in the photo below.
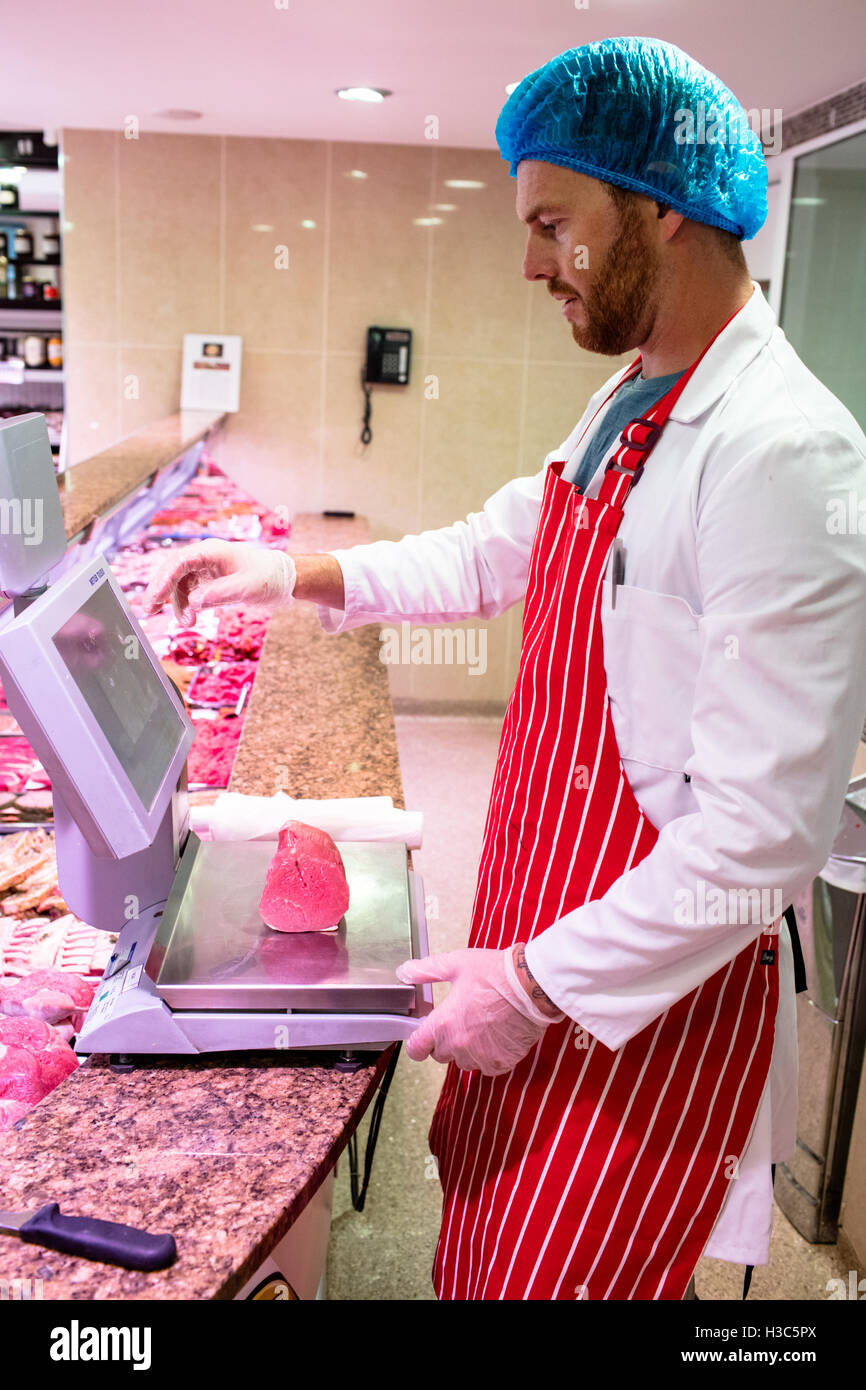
(363, 93)
(444, 207)
(427, 221)
(808, 202)
(261, 227)
(178, 113)
(464, 183)
(355, 174)
(308, 222)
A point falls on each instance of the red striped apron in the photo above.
(586, 1172)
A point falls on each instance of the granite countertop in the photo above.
(93, 487)
(319, 726)
(224, 1153)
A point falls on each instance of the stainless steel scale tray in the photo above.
(213, 951)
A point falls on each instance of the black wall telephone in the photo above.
(388, 354)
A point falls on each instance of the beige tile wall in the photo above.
(161, 238)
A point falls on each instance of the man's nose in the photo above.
(538, 264)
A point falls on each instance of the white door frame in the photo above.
(780, 169)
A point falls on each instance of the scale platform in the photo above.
(206, 974)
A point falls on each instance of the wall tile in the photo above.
(90, 236)
(479, 297)
(377, 257)
(169, 210)
(470, 437)
(277, 184)
(272, 444)
(149, 384)
(92, 398)
(382, 480)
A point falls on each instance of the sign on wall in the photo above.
(211, 377)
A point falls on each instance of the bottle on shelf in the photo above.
(35, 354)
(23, 242)
(55, 350)
(51, 240)
(4, 266)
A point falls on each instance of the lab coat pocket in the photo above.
(651, 656)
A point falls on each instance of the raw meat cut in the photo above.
(51, 1052)
(17, 763)
(11, 1111)
(19, 1075)
(209, 762)
(305, 885)
(222, 684)
(52, 995)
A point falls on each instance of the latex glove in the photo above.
(486, 1023)
(212, 572)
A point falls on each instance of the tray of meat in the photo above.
(223, 684)
(213, 750)
(238, 637)
(26, 809)
(18, 764)
(28, 875)
(240, 634)
(61, 943)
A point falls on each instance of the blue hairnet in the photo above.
(642, 114)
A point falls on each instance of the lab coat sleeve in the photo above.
(777, 713)
(476, 568)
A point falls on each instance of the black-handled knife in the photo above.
(109, 1241)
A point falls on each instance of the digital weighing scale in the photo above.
(195, 968)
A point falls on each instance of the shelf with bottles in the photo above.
(32, 375)
(22, 353)
(28, 280)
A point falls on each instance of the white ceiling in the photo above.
(255, 68)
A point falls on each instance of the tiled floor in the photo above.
(386, 1251)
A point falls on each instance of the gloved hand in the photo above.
(213, 572)
(486, 1023)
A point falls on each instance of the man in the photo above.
(620, 1033)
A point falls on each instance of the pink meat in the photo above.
(213, 751)
(52, 1053)
(50, 995)
(19, 1076)
(11, 1111)
(305, 885)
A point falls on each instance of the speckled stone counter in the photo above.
(319, 726)
(96, 485)
(223, 1152)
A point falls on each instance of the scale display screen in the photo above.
(117, 680)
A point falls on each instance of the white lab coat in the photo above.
(734, 653)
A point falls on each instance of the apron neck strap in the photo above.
(640, 436)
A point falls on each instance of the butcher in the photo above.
(619, 1032)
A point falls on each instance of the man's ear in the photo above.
(672, 220)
